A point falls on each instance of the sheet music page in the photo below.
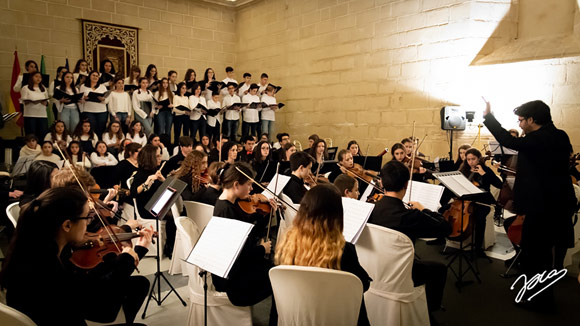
(425, 193)
(457, 183)
(282, 181)
(356, 215)
(367, 192)
(219, 245)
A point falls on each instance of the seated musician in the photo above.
(209, 195)
(416, 222)
(475, 170)
(185, 147)
(248, 282)
(47, 228)
(319, 223)
(190, 172)
(460, 156)
(246, 154)
(300, 163)
(347, 186)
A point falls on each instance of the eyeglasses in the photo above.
(89, 218)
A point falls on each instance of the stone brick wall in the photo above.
(367, 69)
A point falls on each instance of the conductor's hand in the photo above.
(417, 205)
(487, 107)
(267, 245)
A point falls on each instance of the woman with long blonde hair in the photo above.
(316, 239)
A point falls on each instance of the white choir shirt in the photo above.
(268, 113)
(137, 139)
(52, 158)
(224, 90)
(108, 160)
(94, 107)
(120, 103)
(242, 89)
(110, 141)
(196, 113)
(164, 154)
(18, 86)
(127, 81)
(32, 110)
(251, 115)
(52, 87)
(177, 101)
(84, 163)
(140, 96)
(262, 89)
(48, 137)
(163, 98)
(60, 106)
(229, 100)
(211, 121)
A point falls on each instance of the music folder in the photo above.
(165, 196)
(219, 245)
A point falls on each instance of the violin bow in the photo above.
(358, 176)
(412, 162)
(266, 189)
(92, 204)
(275, 191)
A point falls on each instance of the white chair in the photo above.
(316, 296)
(145, 223)
(13, 317)
(200, 213)
(176, 265)
(289, 215)
(387, 256)
(13, 212)
(220, 310)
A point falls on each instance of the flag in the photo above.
(49, 114)
(66, 65)
(14, 101)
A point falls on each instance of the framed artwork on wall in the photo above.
(118, 43)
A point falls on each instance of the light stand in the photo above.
(157, 280)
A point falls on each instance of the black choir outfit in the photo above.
(390, 212)
(173, 163)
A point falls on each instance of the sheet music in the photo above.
(356, 215)
(367, 192)
(282, 181)
(457, 183)
(219, 245)
(425, 193)
(496, 149)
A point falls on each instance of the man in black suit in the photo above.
(246, 154)
(543, 191)
(300, 163)
(416, 222)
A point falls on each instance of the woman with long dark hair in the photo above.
(35, 99)
(96, 109)
(37, 180)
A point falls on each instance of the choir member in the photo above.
(144, 105)
(232, 116)
(94, 108)
(35, 99)
(197, 117)
(58, 135)
(245, 87)
(76, 156)
(136, 133)
(120, 105)
(47, 154)
(81, 72)
(181, 111)
(113, 137)
(69, 112)
(251, 118)
(163, 117)
(101, 157)
(31, 67)
(268, 117)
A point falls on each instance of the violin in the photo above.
(96, 191)
(256, 203)
(97, 245)
(417, 163)
(358, 171)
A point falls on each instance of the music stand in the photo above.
(373, 163)
(464, 190)
(161, 202)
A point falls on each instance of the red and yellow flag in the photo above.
(14, 101)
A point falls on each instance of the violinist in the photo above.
(300, 164)
(460, 156)
(193, 171)
(399, 152)
(416, 222)
(542, 192)
(38, 179)
(248, 282)
(347, 185)
(474, 169)
(210, 194)
(47, 229)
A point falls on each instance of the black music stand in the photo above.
(158, 206)
(464, 190)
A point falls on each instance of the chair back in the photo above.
(13, 317)
(315, 296)
(189, 233)
(13, 212)
(387, 256)
(200, 213)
